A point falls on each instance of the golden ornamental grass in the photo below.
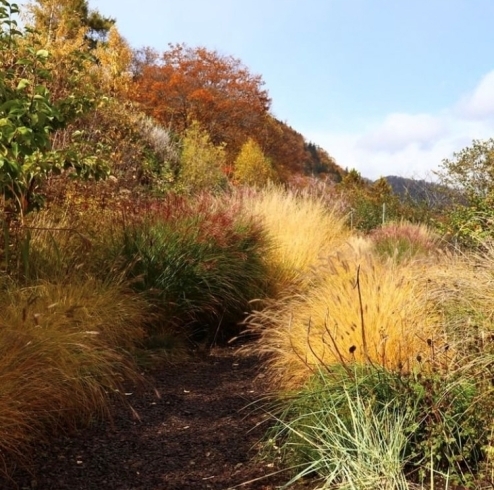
(360, 309)
(404, 241)
(63, 350)
(462, 284)
(302, 229)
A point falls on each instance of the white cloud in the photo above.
(413, 160)
(479, 104)
(400, 130)
(414, 145)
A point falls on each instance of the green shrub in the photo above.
(30, 117)
(348, 437)
(469, 179)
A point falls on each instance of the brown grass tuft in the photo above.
(63, 350)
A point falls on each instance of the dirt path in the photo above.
(192, 432)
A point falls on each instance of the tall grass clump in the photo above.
(65, 350)
(377, 347)
(359, 309)
(165, 156)
(463, 289)
(54, 246)
(404, 241)
(335, 431)
(302, 228)
(200, 261)
(160, 139)
(62, 243)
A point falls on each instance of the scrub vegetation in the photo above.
(136, 230)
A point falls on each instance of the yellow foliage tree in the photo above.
(59, 30)
(201, 163)
(87, 53)
(114, 60)
(252, 167)
(62, 21)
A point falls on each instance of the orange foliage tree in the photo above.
(186, 84)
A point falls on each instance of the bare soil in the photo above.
(193, 427)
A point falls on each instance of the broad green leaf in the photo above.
(14, 149)
(23, 83)
(42, 53)
(24, 131)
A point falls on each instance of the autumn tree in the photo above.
(114, 60)
(63, 20)
(284, 146)
(187, 84)
(231, 104)
(353, 181)
(382, 195)
(87, 52)
(320, 162)
(292, 155)
(201, 162)
(370, 204)
(142, 57)
(251, 166)
(471, 170)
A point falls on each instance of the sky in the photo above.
(388, 87)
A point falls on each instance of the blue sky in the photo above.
(389, 87)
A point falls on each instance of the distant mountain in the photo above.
(418, 190)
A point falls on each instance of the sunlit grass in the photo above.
(65, 243)
(421, 327)
(360, 309)
(463, 287)
(403, 240)
(302, 228)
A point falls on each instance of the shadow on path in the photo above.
(191, 430)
